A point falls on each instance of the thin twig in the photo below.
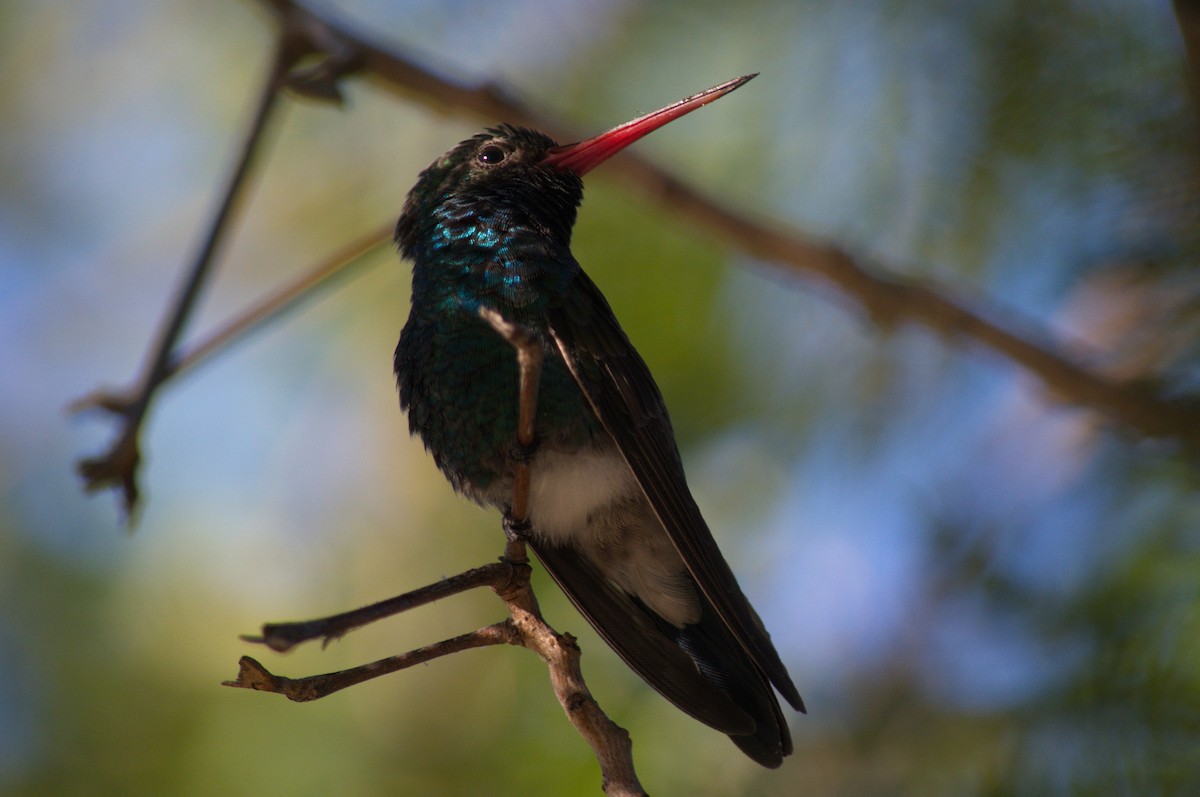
(286, 298)
(282, 637)
(609, 741)
(509, 579)
(252, 675)
(118, 466)
(529, 363)
(299, 36)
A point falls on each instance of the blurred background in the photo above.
(978, 590)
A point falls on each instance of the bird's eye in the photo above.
(491, 155)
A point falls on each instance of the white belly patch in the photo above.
(566, 489)
(572, 499)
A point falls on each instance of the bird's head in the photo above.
(492, 177)
(515, 170)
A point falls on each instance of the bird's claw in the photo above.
(516, 530)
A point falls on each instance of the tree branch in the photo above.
(283, 299)
(508, 578)
(252, 675)
(1143, 406)
(118, 466)
(529, 363)
(282, 637)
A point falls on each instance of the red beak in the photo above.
(586, 155)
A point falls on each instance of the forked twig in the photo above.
(508, 578)
(118, 466)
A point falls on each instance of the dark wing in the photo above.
(623, 395)
(631, 631)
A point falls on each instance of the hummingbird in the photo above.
(488, 226)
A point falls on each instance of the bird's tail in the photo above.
(720, 658)
(701, 668)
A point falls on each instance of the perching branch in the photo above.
(282, 637)
(252, 675)
(529, 363)
(508, 578)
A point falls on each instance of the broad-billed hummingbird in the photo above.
(488, 225)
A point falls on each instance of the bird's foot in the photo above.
(516, 530)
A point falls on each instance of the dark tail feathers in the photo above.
(721, 659)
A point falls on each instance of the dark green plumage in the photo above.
(612, 520)
(481, 239)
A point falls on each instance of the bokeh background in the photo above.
(978, 590)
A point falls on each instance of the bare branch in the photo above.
(282, 637)
(509, 579)
(1142, 406)
(529, 362)
(304, 287)
(609, 741)
(525, 627)
(252, 675)
(118, 466)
